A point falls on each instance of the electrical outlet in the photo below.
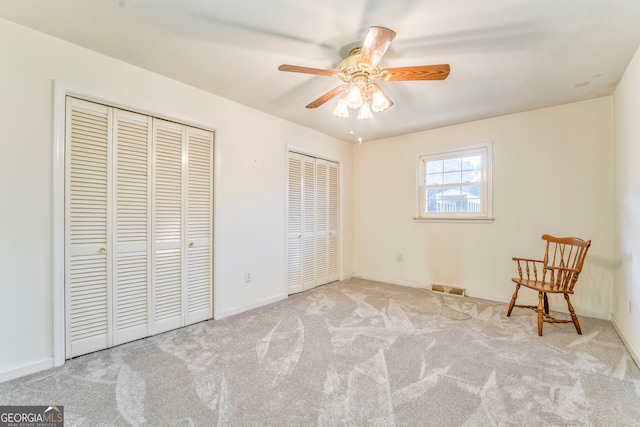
(247, 277)
(400, 257)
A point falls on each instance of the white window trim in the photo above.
(486, 216)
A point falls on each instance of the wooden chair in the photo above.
(557, 273)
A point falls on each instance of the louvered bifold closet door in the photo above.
(294, 224)
(322, 225)
(87, 240)
(308, 222)
(312, 222)
(167, 226)
(333, 225)
(199, 225)
(132, 228)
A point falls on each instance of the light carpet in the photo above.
(352, 353)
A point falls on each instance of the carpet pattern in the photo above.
(352, 353)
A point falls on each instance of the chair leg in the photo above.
(513, 300)
(573, 315)
(540, 313)
(546, 303)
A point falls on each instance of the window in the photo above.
(455, 185)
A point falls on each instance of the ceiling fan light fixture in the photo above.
(354, 97)
(359, 71)
(341, 110)
(379, 102)
(365, 112)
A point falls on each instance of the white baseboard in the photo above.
(251, 306)
(26, 369)
(392, 281)
(634, 354)
(489, 297)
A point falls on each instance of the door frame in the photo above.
(60, 92)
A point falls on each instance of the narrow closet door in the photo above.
(322, 224)
(132, 226)
(199, 282)
(308, 222)
(326, 221)
(294, 224)
(87, 240)
(333, 215)
(167, 226)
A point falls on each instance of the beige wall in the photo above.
(552, 173)
(626, 301)
(250, 211)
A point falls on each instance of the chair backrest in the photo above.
(563, 260)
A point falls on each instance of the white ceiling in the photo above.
(506, 56)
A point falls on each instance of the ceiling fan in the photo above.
(359, 71)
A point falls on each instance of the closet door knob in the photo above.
(191, 244)
(102, 250)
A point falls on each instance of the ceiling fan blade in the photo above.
(420, 72)
(375, 45)
(327, 96)
(307, 70)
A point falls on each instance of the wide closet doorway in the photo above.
(312, 225)
(138, 226)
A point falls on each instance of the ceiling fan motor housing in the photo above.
(352, 71)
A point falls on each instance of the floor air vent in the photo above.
(450, 290)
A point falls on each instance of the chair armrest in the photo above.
(568, 270)
(530, 266)
(527, 259)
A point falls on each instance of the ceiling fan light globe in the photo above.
(341, 109)
(365, 112)
(379, 102)
(354, 97)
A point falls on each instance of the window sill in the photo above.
(476, 220)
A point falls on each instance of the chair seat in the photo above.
(540, 286)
